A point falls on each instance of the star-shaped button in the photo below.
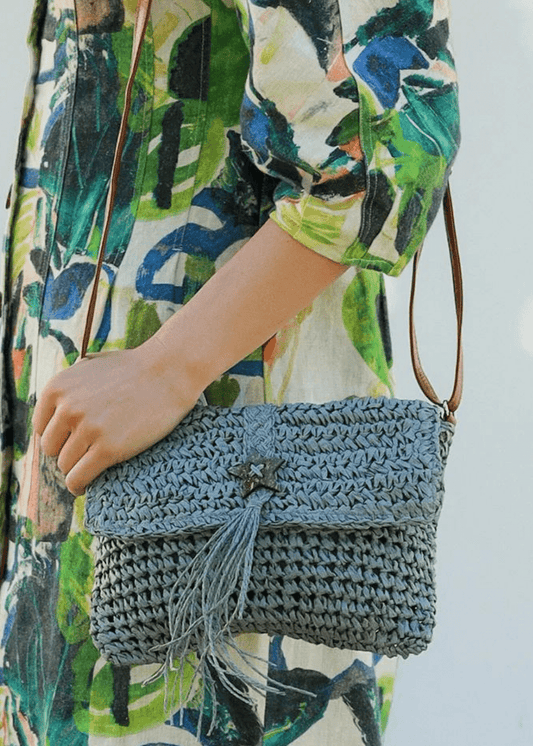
(257, 471)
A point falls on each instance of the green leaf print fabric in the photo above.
(338, 120)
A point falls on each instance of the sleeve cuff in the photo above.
(324, 227)
(328, 227)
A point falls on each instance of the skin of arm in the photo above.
(113, 405)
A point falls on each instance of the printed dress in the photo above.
(337, 118)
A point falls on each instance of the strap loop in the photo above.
(450, 405)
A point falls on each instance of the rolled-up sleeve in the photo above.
(352, 106)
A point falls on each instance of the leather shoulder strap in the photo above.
(450, 405)
(142, 16)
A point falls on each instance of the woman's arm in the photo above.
(305, 97)
(114, 405)
(247, 301)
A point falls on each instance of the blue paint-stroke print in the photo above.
(356, 686)
(255, 129)
(381, 62)
(191, 239)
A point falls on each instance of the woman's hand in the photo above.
(109, 407)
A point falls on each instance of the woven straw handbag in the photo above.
(315, 521)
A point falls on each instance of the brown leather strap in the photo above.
(450, 405)
(142, 15)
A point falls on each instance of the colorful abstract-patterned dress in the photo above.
(337, 118)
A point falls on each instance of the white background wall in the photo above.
(474, 686)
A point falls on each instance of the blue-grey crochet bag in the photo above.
(315, 521)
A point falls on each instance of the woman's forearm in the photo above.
(262, 287)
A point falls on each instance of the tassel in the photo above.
(218, 570)
(199, 608)
(200, 617)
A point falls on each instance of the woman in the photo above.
(280, 156)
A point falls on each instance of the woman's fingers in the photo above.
(44, 411)
(54, 434)
(74, 448)
(90, 462)
(86, 469)
(54, 397)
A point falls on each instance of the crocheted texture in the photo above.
(344, 553)
(347, 464)
(367, 590)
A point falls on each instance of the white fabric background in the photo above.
(473, 686)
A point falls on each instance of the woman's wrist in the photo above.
(172, 365)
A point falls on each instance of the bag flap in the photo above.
(351, 464)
